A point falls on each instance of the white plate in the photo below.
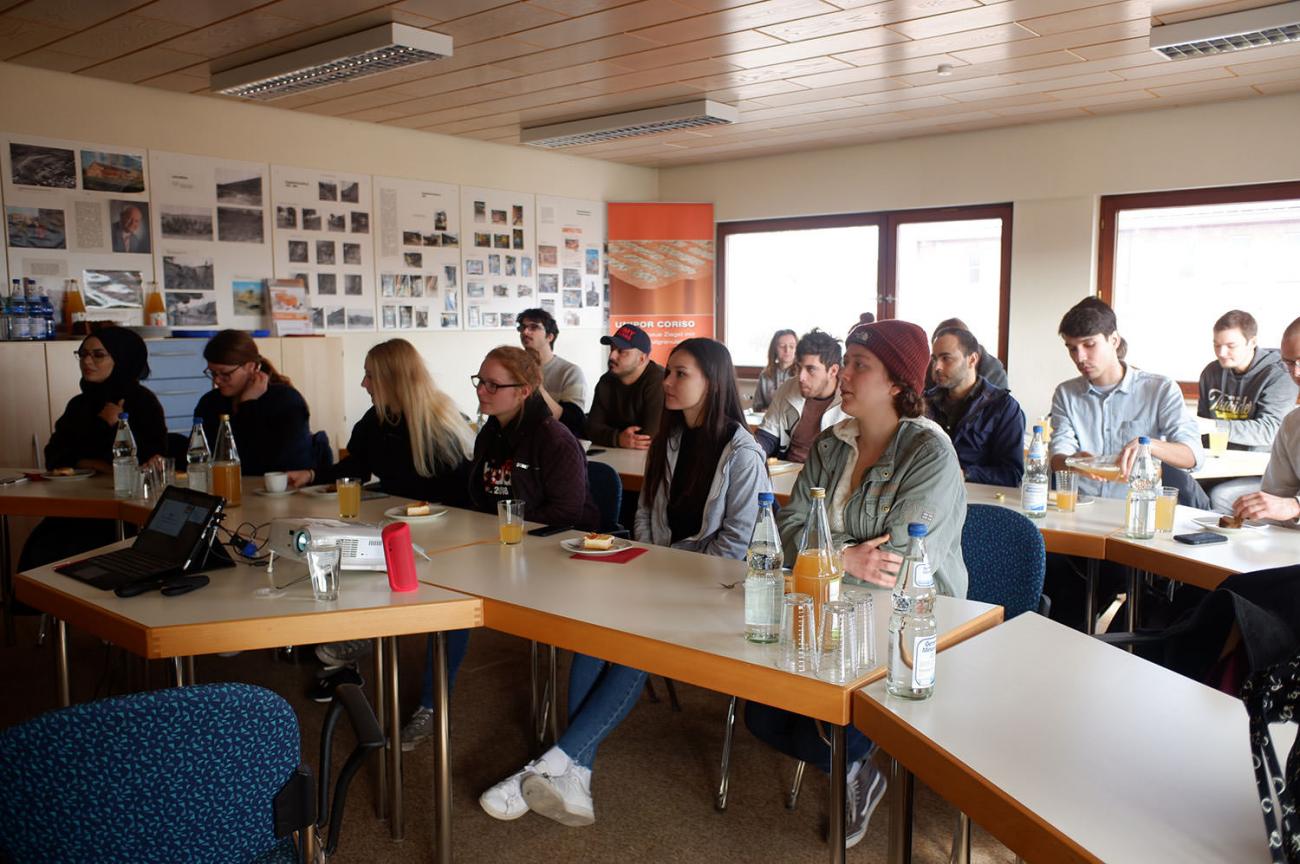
(574, 544)
(399, 513)
(79, 474)
(320, 490)
(269, 494)
(1211, 523)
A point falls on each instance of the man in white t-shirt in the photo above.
(564, 387)
(1279, 495)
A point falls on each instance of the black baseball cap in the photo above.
(628, 336)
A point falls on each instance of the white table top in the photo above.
(630, 465)
(1069, 749)
(1082, 532)
(1233, 463)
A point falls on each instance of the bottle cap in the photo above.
(123, 416)
(817, 492)
(198, 419)
(1037, 429)
(1144, 440)
(916, 529)
(223, 417)
(766, 497)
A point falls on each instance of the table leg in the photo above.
(6, 580)
(61, 661)
(189, 671)
(1131, 615)
(442, 752)
(555, 696)
(1092, 576)
(900, 814)
(178, 665)
(121, 530)
(839, 777)
(396, 821)
(381, 771)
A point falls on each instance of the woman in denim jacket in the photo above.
(703, 475)
(883, 467)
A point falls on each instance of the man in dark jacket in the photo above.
(990, 366)
(984, 421)
(630, 396)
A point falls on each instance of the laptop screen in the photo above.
(177, 523)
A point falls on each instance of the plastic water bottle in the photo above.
(198, 458)
(19, 323)
(47, 318)
(1033, 491)
(125, 464)
(1143, 489)
(764, 582)
(912, 631)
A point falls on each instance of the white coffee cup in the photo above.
(275, 481)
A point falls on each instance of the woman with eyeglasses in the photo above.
(113, 363)
(268, 416)
(703, 475)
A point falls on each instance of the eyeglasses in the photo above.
(490, 386)
(214, 375)
(531, 325)
(97, 356)
(1289, 365)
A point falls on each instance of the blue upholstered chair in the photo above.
(607, 491)
(196, 774)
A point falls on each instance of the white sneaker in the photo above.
(564, 796)
(335, 654)
(505, 800)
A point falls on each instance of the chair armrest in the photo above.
(349, 699)
(1124, 640)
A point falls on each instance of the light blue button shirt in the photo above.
(1085, 418)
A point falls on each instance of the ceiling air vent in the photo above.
(369, 52)
(1223, 34)
(631, 124)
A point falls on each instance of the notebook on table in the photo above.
(176, 534)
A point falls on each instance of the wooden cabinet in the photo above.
(315, 366)
(24, 402)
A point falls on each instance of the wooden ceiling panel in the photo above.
(1051, 60)
(501, 21)
(197, 13)
(71, 15)
(325, 11)
(19, 36)
(1088, 17)
(535, 61)
(179, 82)
(860, 18)
(142, 65)
(735, 96)
(893, 69)
(718, 46)
(1277, 87)
(843, 91)
(1077, 41)
(843, 43)
(622, 19)
(449, 10)
(1175, 11)
(235, 34)
(752, 16)
(801, 69)
(950, 43)
(118, 36)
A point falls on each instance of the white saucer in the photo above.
(79, 474)
(399, 513)
(574, 544)
(1211, 523)
(269, 494)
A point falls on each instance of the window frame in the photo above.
(887, 223)
(1112, 205)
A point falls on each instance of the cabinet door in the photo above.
(64, 373)
(316, 366)
(24, 404)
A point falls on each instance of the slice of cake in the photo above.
(419, 508)
(598, 541)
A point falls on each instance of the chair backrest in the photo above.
(607, 491)
(322, 454)
(1005, 558)
(183, 774)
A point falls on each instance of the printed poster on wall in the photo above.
(570, 260)
(322, 236)
(661, 271)
(75, 210)
(417, 254)
(211, 228)
(497, 256)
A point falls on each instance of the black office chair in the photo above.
(322, 455)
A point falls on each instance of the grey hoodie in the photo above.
(730, 509)
(1254, 401)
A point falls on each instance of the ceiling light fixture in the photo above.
(1223, 34)
(630, 124)
(369, 52)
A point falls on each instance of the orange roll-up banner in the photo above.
(661, 271)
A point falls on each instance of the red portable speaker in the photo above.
(400, 557)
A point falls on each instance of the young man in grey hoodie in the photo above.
(1246, 387)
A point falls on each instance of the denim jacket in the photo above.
(917, 479)
(730, 509)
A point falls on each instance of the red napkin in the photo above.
(617, 558)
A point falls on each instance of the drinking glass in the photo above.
(838, 661)
(324, 559)
(797, 647)
(1166, 506)
(1067, 491)
(864, 617)
(349, 497)
(510, 521)
(1219, 436)
(168, 472)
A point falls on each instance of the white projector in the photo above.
(362, 544)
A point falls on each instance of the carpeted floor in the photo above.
(653, 784)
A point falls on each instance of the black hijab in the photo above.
(130, 364)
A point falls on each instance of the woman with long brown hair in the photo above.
(268, 416)
(779, 369)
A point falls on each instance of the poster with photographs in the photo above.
(498, 256)
(571, 260)
(321, 234)
(417, 254)
(77, 210)
(212, 240)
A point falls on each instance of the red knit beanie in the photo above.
(900, 345)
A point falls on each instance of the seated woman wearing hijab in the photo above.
(268, 416)
(113, 363)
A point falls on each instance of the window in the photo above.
(1172, 263)
(824, 271)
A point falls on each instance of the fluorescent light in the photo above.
(1222, 34)
(369, 52)
(630, 124)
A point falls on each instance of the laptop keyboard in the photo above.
(133, 561)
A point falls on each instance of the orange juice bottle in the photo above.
(816, 571)
(74, 309)
(155, 312)
(225, 465)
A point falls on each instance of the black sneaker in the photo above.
(323, 688)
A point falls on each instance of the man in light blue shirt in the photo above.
(1111, 404)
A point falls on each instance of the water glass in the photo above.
(1166, 506)
(864, 618)
(167, 472)
(324, 560)
(797, 646)
(838, 662)
(510, 521)
(1067, 491)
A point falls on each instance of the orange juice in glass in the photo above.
(1219, 436)
(510, 521)
(1166, 506)
(349, 490)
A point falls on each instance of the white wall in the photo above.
(56, 105)
(1054, 173)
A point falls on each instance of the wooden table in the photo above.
(1067, 750)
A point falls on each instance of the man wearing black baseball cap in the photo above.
(630, 396)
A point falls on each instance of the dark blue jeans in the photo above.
(601, 694)
(457, 644)
(796, 736)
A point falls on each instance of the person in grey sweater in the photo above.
(1247, 388)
